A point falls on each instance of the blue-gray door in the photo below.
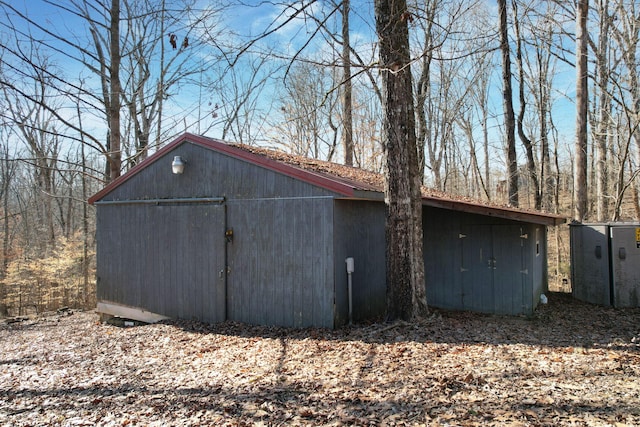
(164, 258)
(477, 269)
(492, 269)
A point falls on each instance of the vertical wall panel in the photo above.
(359, 233)
(281, 261)
(537, 255)
(590, 278)
(604, 263)
(508, 274)
(443, 257)
(154, 258)
(478, 267)
(625, 261)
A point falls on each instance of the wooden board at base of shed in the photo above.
(109, 309)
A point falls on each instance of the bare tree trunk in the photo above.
(629, 41)
(84, 298)
(480, 95)
(601, 137)
(115, 154)
(526, 141)
(7, 170)
(161, 83)
(636, 199)
(602, 170)
(507, 99)
(346, 87)
(406, 292)
(623, 27)
(5, 182)
(423, 89)
(582, 101)
(546, 177)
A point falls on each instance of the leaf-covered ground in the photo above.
(572, 364)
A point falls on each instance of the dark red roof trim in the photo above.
(321, 180)
(340, 185)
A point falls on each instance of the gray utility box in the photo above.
(605, 263)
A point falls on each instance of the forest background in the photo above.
(83, 100)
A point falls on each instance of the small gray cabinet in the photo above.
(605, 263)
(625, 257)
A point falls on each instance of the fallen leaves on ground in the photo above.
(571, 364)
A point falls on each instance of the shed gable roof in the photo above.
(345, 181)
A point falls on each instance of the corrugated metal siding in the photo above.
(164, 259)
(359, 233)
(281, 261)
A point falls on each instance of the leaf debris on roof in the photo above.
(368, 180)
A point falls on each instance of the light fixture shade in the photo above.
(177, 166)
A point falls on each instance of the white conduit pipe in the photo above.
(350, 269)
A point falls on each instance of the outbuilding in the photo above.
(213, 231)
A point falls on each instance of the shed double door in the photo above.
(492, 269)
(173, 263)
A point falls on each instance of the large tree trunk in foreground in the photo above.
(509, 115)
(582, 102)
(347, 110)
(115, 153)
(406, 295)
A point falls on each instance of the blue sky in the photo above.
(253, 20)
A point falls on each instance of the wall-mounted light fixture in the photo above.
(177, 166)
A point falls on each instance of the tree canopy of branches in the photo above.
(90, 88)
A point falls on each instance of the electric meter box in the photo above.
(605, 263)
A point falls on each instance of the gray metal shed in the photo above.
(605, 263)
(261, 237)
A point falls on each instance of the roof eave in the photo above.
(498, 212)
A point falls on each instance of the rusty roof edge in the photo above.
(536, 217)
(343, 186)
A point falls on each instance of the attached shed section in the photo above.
(261, 237)
(483, 263)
